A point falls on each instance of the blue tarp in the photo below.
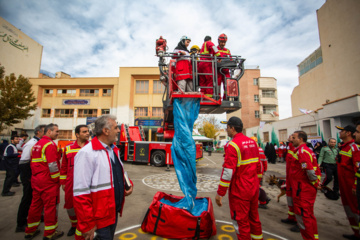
(183, 152)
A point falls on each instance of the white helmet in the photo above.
(185, 38)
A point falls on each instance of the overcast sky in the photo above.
(88, 38)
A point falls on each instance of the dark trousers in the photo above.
(331, 173)
(9, 179)
(25, 176)
(106, 233)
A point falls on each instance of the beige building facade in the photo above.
(331, 72)
(134, 98)
(19, 54)
(258, 97)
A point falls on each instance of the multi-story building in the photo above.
(134, 98)
(332, 71)
(258, 97)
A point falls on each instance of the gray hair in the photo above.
(50, 126)
(332, 139)
(38, 128)
(103, 122)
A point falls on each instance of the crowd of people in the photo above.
(90, 173)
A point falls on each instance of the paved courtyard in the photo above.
(148, 180)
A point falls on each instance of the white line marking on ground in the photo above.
(220, 221)
(210, 160)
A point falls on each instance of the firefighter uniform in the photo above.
(224, 52)
(290, 160)
(262, 168)
(306, 176)
(45, 165)
(347, 167)
(208, 48)
(239, 174)
(67, 179)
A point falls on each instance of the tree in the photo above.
(208, 125)
(16, 99)
(209, 130)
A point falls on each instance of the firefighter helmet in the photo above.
(222, 37)
(185, 38)
(195, 47)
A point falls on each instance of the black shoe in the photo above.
(351, 236)
(15, 185)
(263, 206)
(71, 231)
(20, 229)
(32, 235)
(56, 235)
(268, 200)
(295, 228)
(288, 221)
(8, 194)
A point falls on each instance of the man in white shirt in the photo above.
(25, 176)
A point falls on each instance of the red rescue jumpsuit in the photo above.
(305, 179)
(208, 48)
(290, 160)
(262, 167)
(223, 53)
(239, 174)
(67, 179)
(45, 165)
(347, 167)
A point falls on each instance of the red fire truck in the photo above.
(134, 148)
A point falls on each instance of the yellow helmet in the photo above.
(254, 138)
(195, 47)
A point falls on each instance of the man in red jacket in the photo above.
(208, 48)
(67, 172)
(100, 183)
(347, 167)
(45, 165)
(224, 52)
(290, 160)
(305, 182)
(239, 174)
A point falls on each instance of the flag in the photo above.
(262, 124)
(305, 111)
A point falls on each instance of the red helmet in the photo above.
(222, 37)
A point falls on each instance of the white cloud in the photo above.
(95, 38)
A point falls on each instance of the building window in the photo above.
(106, 92)
(157, 112)
(89, 92)
(105, 111)
(257, 114)
(48, 92)
(310, 130)
(66, 92)
(256, 98)
(64, 113)
(46, 113)
(158, 87)
(142, 86)
(268, 93)
(256, 81)
(87, 113)
(141, 112)
(266, 136)
(283, 137)
(269, 109)
(65, 134)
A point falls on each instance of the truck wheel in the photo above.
(158, 158)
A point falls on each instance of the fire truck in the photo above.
(134, 147)
(208, 105)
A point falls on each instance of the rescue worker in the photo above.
(239, 174)
(347, 167)
(25, 176)
(99, 182)
(67, 172)
(183, 67)
(11, 163)
(208, 48)
(45, 165)
(305, 183)
(290, 160)
(194, 49)
(356, 156)
(262, 168)
(224, 52)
